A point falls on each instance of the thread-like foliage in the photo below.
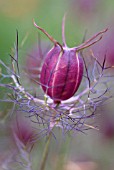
(76, 114)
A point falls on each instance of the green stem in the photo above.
(46, 149)
(45, 153)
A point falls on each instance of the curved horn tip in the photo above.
(34, 23)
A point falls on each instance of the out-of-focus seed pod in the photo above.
(62, 70)
(34, 61)
(105, 48)
(86, 6)
(23, 132)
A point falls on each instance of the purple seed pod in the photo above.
(62, 73)
(22, 132)
(34, 60)
(86, 6)
(106, 47)
(62, 70)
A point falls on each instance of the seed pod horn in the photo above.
(62, 70)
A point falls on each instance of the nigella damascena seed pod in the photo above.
(62, 70)
(61, 73)
(34, 60)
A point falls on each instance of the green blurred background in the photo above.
(48, 14)
(91, 151)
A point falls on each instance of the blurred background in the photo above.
(95, 149)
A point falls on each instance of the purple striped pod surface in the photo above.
(61, 73)
(62, 70)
